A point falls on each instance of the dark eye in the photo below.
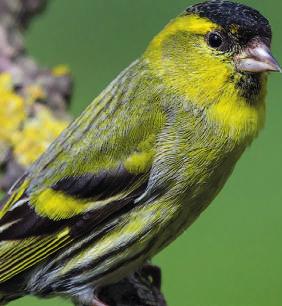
(215, 40)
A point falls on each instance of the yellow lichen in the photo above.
(6, 82)
(61, 70)
(35, 93)
(36, 135)
(12, 111)
(26, 128)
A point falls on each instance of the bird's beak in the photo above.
(256, 58)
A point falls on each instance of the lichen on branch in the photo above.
(33, 100)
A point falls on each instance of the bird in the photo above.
(144, 159)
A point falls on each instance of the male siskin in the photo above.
(143, 160)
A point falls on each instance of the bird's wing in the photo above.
(98, 166)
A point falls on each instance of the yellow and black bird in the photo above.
(142, 161)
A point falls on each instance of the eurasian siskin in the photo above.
(143, 160)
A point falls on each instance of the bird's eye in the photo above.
(215, 40)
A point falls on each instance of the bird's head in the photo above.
(212, 45)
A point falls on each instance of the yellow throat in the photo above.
(180, 56)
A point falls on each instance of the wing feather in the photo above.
(94, 170)
(29, 252)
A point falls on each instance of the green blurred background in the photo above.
(232, 256)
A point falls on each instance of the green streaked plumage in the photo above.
(182, 168)
(131, 173)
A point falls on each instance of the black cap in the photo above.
(249, 21)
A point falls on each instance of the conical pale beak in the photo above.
(257, 58)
